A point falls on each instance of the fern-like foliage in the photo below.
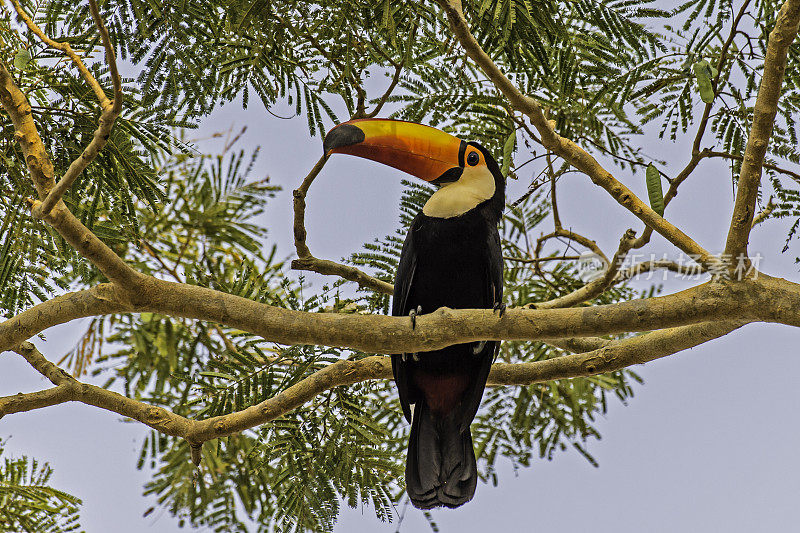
(32, 257)
(604, 71)
(29, 504)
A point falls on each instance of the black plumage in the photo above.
(451, 262)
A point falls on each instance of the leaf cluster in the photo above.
(27, 501)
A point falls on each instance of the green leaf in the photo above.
(653, 179)
(21, 59)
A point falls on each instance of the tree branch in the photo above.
(111, 111)
(306, 261)
(746, 300)
(571, 235)
(613, 355)
(764, 213)
(578, 344)
(595, 287)
(723, 56)
(764, 112)
(68, 51)
(565, 148)
(398, 69)
(649, 266)
(22, 402)
(794, 175)
(69, 389)
(38, 161)
(16, 105)
(100, 300)
(553, 200)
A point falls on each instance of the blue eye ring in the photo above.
(473, 159)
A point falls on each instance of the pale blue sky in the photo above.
(707, 444)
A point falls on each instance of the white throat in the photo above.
(476, 185)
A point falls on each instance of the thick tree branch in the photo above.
(100, 300)
(16, 105)
(91, 247)
(611, 355)
(764, 112)
(615, 356)
(111, 111)
(746, 300)
(565, 148)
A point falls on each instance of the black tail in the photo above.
(440, 468)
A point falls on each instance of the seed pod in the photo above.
(508, 152)
(703, 71)
(653, 180)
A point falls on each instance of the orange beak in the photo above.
(421, 151)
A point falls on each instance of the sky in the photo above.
(708, 443)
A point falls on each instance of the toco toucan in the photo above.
(451, 258)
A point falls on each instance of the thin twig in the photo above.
(723, 56)
(764, 213)
(595, 287)
(542, 259)
(385, 96)
(769, 166)
(553, 202)
(571, 235)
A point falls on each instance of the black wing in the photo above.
(400, 307)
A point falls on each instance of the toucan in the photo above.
(450, 258)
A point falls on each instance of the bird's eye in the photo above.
(473, 158)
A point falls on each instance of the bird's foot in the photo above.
(414, 357)
(478, 348)
(413, 314)
(500, 306)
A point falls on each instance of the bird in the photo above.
(451, 257)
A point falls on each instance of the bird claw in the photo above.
(413, 314)
(500, 306)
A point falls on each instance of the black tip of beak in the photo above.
(342, 135)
